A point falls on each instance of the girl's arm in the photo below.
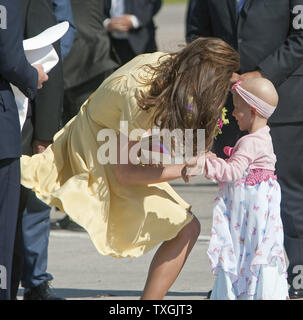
(231, 170)
(137, 174)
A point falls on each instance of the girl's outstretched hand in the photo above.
(195, 166)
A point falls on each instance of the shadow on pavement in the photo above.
(214, 185)
(89, 293)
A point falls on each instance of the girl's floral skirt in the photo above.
(246, 247)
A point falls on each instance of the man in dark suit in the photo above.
(43, 121)
(15, 69)
(269, 39)
(131, 27)
(83, 73)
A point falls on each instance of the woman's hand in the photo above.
(191, 163)
(185, 177)
(194, 167)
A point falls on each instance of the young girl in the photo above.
(246, 247)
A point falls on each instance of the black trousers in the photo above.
(9, 202)
(288, 147)
(123, 52)
(18, 257)
(32, 232)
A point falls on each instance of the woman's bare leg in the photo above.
(169, 260)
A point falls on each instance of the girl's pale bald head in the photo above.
(263, 89)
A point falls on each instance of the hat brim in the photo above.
(46, 37)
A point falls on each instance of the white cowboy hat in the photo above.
(39, 50)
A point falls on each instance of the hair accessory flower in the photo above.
(189, 109)
(221, 122)
(190, 105)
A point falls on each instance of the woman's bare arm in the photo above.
(138, 174)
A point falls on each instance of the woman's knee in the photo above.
(191, 230)
(196, 227)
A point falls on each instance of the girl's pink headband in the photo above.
(263, 108)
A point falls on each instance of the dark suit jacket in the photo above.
(142, 39)
(265, 38)
(47, 107)
(14, 68)
(90, 54)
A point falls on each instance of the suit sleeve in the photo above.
(48, 104)
(198, 22)
(106, 11)
(146, 10)
(14, 66)
(286, 59)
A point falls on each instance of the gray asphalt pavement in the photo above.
(170, 22)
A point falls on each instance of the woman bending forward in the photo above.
(128, 209)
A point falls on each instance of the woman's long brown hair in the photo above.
(202, 70)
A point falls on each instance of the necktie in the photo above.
(240, 5)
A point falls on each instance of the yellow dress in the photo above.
(121, 220)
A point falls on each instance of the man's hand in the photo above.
(40, 145)
(235, 78)
(121, 24)
(42, 76)
(251, 75)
